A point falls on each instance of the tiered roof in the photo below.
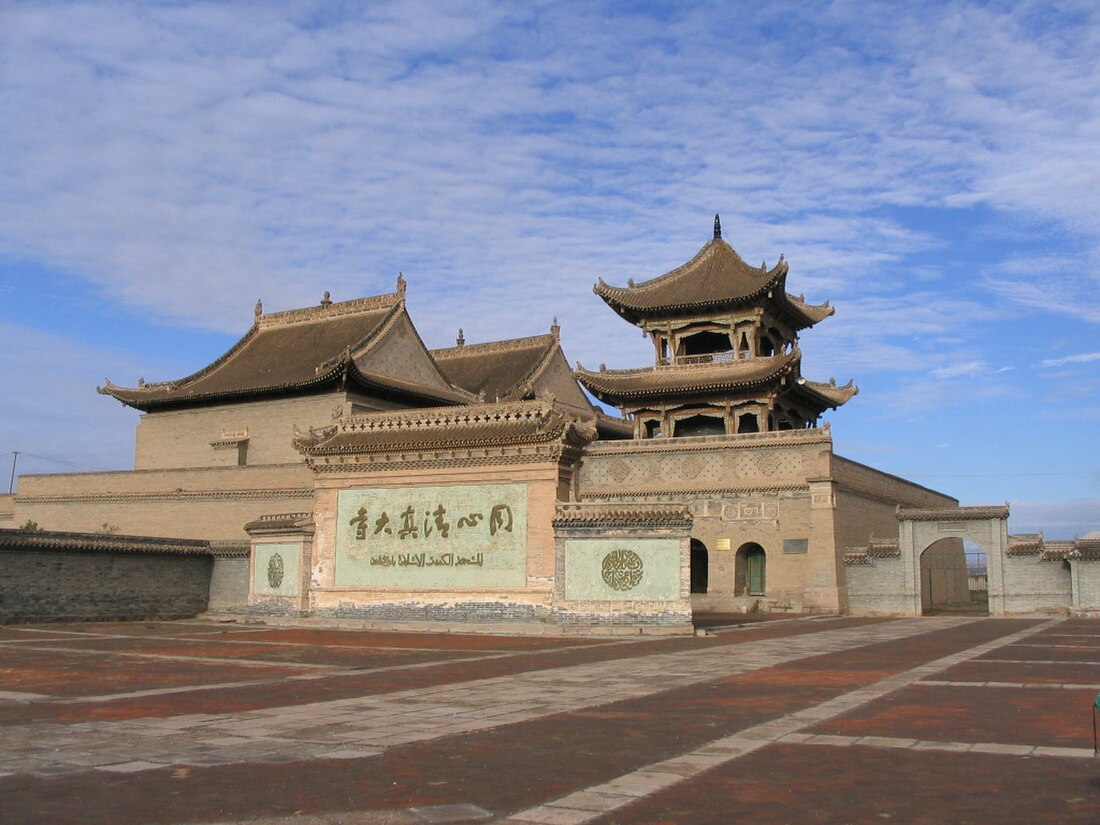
(504, 370)
(614, 386)
(717, 286)
(300, 351)
(716, 277)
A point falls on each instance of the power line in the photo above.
(46, 458)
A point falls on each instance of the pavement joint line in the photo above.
(190, 659)
(1042, 661)
(539, 692)
(894, 743)
(1025, 685)
(767, 733)
(1060, 647)
(341, 673)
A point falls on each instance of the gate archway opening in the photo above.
(946, 583)
(750, 570)
(700, 564)
(919, 530)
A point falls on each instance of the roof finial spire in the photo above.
(555, 330)
(461, 340)
(401, 284)
(326, 300)
(717, 227)
(259, 307)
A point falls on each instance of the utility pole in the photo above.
(11, 481)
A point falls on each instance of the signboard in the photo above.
(469, 535)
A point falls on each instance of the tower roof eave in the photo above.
(716, 276)
(612, 386)
(827, 394)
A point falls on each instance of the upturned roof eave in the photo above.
(628, 301)
(688, 381)
(163, 394)
(331, 377)
(827, 396)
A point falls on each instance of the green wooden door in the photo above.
(756, 559)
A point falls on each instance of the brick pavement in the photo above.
(558, 731)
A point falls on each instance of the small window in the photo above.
(748, 423)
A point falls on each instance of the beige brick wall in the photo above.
(210, 504)
(182, 438)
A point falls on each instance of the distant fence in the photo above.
(976, 566)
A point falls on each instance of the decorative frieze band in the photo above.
(217, 495)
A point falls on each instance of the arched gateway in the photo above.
(920, 529)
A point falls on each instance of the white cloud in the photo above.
(188, 158)
(959, 370)
(1057, 520)
(1080, 358)
(567, 140)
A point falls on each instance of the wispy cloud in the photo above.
(1057, 520)
(189, 158)
(1080, 358)
(965, 368)
(315, 149)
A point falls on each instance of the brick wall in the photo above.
(56, 584)
(875, 588)
(211, 503)
(1032, 585)
(182, 438)
(229, 584)
(1086, 584)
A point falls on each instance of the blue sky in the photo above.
(929, 168)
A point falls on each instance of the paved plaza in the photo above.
(823, 720)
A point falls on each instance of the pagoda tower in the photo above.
(725, 339)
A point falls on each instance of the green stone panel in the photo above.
(465, 535)
(275, 569)
(622, 569)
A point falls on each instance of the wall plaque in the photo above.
(275, 569)
(464, 535)
(622, 569)
(796, 546)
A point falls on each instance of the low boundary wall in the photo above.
(48, 576)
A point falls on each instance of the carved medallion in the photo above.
(768, 463)
(691, 466)
(275, 571)
(619, 470)
(622, 569)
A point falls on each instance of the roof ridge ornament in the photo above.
(717, 227)
(326, 300)
(259, 308)
(401, 284)
(460, 341)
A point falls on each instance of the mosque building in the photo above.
(374, 478)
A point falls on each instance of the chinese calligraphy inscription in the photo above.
(461, 535)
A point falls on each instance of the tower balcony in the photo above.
(699, 360)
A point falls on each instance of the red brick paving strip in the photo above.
(281, 693)
(808, 784)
